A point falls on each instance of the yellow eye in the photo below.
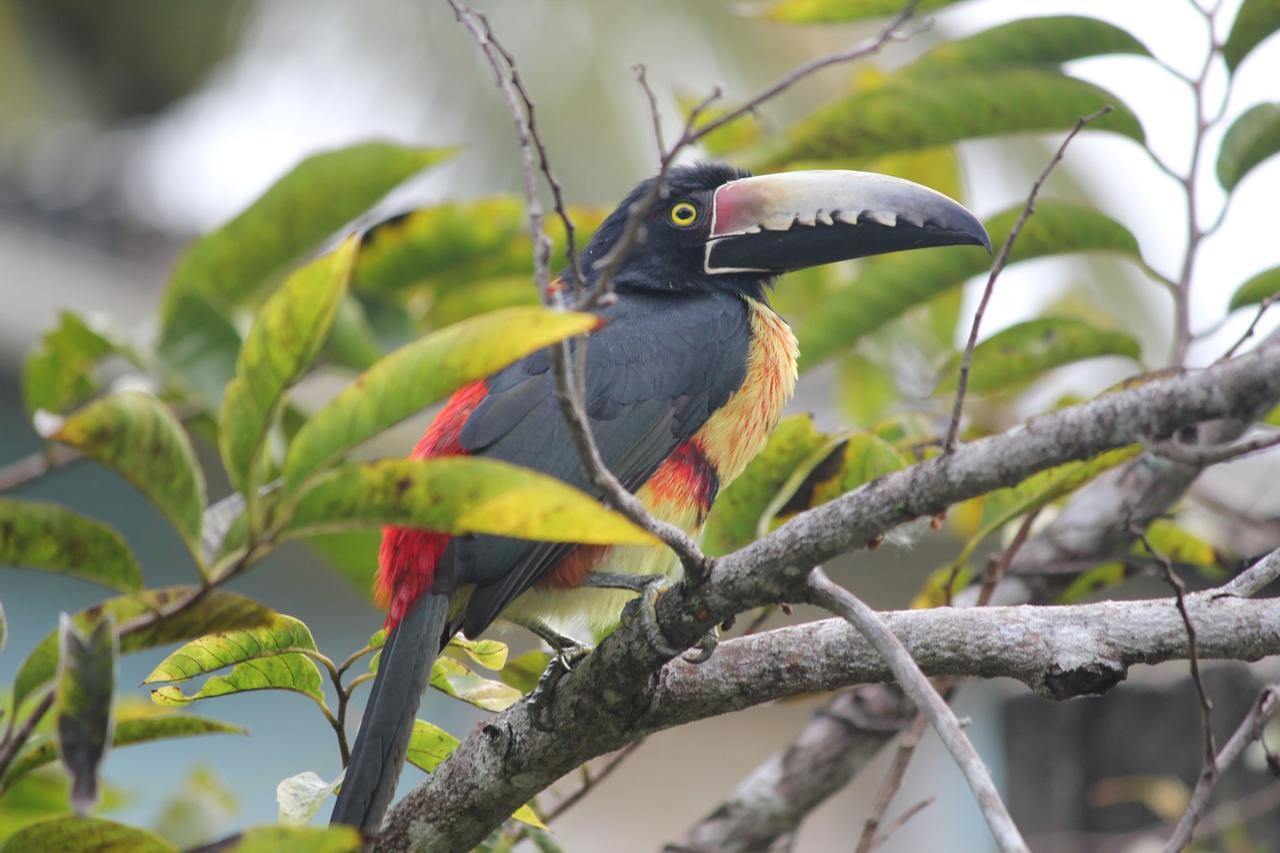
(683, 214)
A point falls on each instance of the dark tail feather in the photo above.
(383, 741)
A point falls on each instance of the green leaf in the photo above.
(288, 671)
(1050, 40)
(490, 654)
(458, 495)
(416, 375)
(216, 610)
(455, 679)
(909, 112)
(1251, 139)
(82, 704)
(48, 536)
(736, 513)
(314, 200)
(1256, 20)
(137, 435)
(134, 724)
(58, 373)
(737, 134)
(459, 243)
(1039, 490)
(891, 285)
(1263, 286)
(353, 554)
(84, 833)
(523, 672)
(352, 340)
(197, 349)
(455, 304)
(286, 336)
(866, 390)
(1026, 350)
(833, 11)
(282, 635)
(4, 628)
(311, 839)
(1272, 418)
(1105, 576)
(430, 745)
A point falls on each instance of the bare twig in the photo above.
(1253, 579)
(997, 267)
(1253, 326)
(591, 780)
(996, 569)
(1250, 730)
(33, 466)
(901, 821)
(1191, 454)
(1180, 599)
(907, 744)
(14, 739)
(907, 672)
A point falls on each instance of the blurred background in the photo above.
(127, 128)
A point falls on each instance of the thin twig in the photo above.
(14, 740)
(1180, 599)
(1253, 326)
(901, 821)
(997, 267)
(33, 466)
(592, 780)
(840, 601)
(1253, 579)
(996, 570)
(1192, 454)
(1250, 730)
(907, 744)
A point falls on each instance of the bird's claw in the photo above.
(701, 653)
(645, 609)
(561, 664)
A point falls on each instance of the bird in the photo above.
(685, 377)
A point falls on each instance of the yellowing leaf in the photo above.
(455, 679)
(458, 495)
(831, 11)
(312, 201)
(217, 610)
(137, 435)
(419, 374)
(48, 536)
(286, 336)
(1171, 541)
(289, 671)
(490, 654)
(311, 839)
(84, 833)
(59, 373)
(282, 635)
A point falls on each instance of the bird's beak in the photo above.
(791, 220)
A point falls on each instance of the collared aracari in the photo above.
(685, 379)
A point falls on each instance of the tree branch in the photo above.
(504, 763)
(1249, 731)
(1060, 652)
(914, 683)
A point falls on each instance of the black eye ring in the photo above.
(683, 214)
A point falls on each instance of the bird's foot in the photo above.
(701, 653)
(564, 658)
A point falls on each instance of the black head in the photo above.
(719, 228)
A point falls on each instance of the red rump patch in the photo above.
(687, 474)
(408, 556)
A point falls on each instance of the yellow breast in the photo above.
(737, 431)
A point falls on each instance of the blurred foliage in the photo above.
(430, 300)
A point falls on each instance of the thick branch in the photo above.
(505, 763)
(1058, 651)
